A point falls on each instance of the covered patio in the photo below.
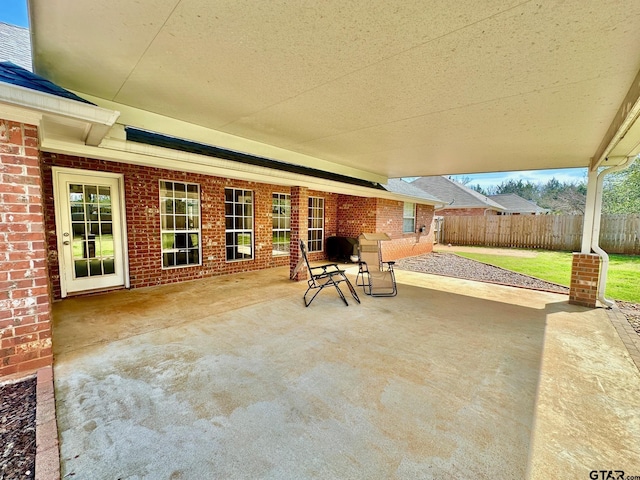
(232, 377)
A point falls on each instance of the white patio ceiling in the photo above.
(388, 89)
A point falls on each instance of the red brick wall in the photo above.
(141, 186)
(356, 215)
(389, 221)
(25, 303)
(585, 274)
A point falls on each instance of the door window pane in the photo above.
(92, 230)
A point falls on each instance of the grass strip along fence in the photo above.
(623, 278)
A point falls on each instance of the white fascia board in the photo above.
(19, 114)
(158, 157)
(622, 139)
(154, 122)
(99, 119)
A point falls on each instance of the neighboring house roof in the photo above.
(513, 203)
(16, 75)
(15, 45)
(454, 194)
(397, 185)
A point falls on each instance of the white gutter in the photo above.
(613, 146)
(595, 237)
(99, 120)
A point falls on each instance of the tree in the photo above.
(556, 196)
(479, 189)
(563, 197)
(527, 190)
(464, 179)
(621, 193)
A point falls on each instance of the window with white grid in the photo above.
(316, 224)
(409, 217)
(281, 209)
(180, 223)
(238, 213)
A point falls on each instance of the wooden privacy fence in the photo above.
(618, 233)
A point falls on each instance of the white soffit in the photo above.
(117, 150)
(622, 140)
(422, 87)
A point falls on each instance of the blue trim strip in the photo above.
(160, 140)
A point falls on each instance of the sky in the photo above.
(567, 175)
(15, 13)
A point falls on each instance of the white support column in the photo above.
(590, 211)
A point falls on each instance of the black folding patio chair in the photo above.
(323, 276)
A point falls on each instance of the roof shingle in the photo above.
(16, 75)
(402, 187)
(15, 45)
(455, 194)
(513, 203)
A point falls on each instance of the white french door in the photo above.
(90, 230)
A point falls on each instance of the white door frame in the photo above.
(56, 172)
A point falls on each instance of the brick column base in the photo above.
(585, 274)
(299, 229)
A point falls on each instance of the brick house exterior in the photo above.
(30, 268)
(29, 258)
(345, 215)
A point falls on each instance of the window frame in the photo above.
(412, 217)
(232, 214)
(316, 204)
(283, 221)
(169, 221)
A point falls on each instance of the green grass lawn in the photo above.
(623, 282)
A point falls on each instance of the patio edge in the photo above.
(627, 334)
(47, 453)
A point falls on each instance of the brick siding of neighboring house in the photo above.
(469, 212)
(25, 303)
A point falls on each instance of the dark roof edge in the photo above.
(13, 74)
(160, 140)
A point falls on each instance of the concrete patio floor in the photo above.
(232, 377)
